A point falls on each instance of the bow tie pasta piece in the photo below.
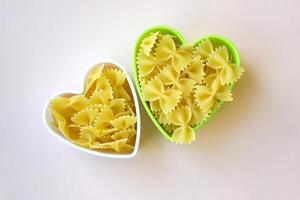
(93, 75)
(148, 63)
(195, 70)
(117, 81)
(181, 117)
(148, 43)
(115, 77)
(185, 85)
(61, 122)
(207, 97)
(168, 99)
(198, 115)
(155, 106)
(102, 97)
(229, 72)
(169, 76)
(61, 116)
(117, 105)
(103, 92)
(103, 116)
(127, 111)
(204, 49)
(78, 102)
(166, 49)
(88, 135)
(85, 117)
(62, 106)
(144, 80)
(163, 119)
(123, 122)
(210, 79)
(122, 134)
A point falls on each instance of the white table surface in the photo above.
(250, 150)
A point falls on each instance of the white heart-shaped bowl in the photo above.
(54, 130)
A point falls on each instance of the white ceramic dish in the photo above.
(54, 130)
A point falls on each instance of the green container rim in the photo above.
(217, 40)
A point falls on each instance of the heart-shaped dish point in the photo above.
(104, 119)
(183, 85)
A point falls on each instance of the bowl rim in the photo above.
(58, 135)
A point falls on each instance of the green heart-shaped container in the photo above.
(217, 40)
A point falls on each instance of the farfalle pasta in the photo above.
(154, 90)
(170, 77)
(183, 84)
(180, 117)
(166, 50)
(103, 116)
(228, 72)
(207, 97)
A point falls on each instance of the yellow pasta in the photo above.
(147, 63)
(229, 72)
(117, 105)
(204, 49)
(148, 43)
(166, 49)
(198, 114)
(61, 123)
(93, 76)
(170, 77)
(168, 98)
(128, 133)
(123, 122)
(155, 106)
(117, 79)
(181, 117)
(184, 84)
(85, 117)
(163, 119)
(170, 128)
(195, 70)
(208, 96)
(78, 102)
(118, 145)
(102, 117)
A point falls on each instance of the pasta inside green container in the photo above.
(216, 40)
